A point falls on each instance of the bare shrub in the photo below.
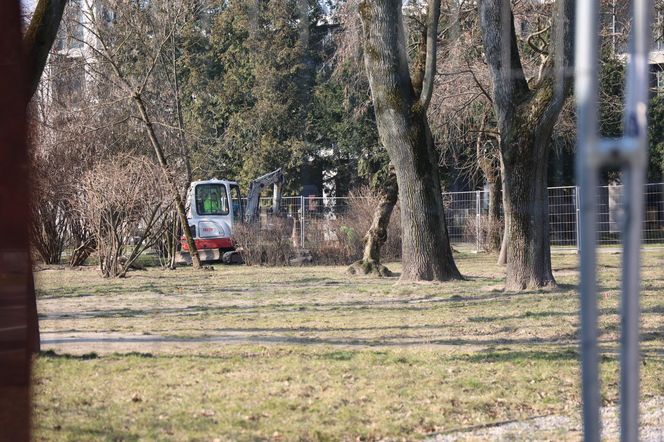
(490, 232)
(247, 242)
(49, 207)
(268, 244)
(277, 241)
(332, 242)
(127, 207)
(166, 246)
(341, 240)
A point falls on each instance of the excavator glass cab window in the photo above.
(211, 199)
(236, 203)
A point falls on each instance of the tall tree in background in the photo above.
(526, 114)
(248, 72)
(400, 104)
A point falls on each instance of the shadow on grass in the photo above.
(51, 354)
(99, 290)
(656, 310)
(520, 356)
(525, 315)
(395, 342)
(405, 304)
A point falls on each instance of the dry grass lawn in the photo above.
(309, 353)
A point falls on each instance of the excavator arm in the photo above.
(276, 179)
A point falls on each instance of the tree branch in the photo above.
(478, 83)
(538, 35)
(433, 16)
(555, 81)
(39, 37)
(502, 55)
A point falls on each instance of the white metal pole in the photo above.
(576, 219)
(477, 221)
(630, 154)
(586, 58)
(636, 128)
(302, 236)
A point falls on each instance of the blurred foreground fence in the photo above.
(320, 220)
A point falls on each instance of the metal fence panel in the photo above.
(316, 218)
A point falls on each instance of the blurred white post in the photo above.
(478, 220)
(302, 221)
(585, 91)
(629, 154)
(634, 170)
(576, 219)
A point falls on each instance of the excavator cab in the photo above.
(215, 207)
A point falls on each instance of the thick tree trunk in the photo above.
(495, 218)
(377, 234)
(426, 251)
(19, 326)
(404, 131)
(502, 256)
(525, 144)
(526, 199)
(489, 162)
(526, 114)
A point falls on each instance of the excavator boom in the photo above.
(276, 179)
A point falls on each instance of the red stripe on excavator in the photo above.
(210, 243)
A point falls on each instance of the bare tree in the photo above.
(400, 104)
(68, 135)
(526, 114)
(49, 206)
(128, 208)
(132, 76)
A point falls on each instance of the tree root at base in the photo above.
(368, 267)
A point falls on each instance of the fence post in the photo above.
(302, 236)
(477, 221)
(576, 219)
